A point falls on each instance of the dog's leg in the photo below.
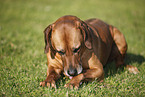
(120, 49)
(52, 76)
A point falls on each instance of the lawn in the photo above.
(23, 62)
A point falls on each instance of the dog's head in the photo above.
(68, 37)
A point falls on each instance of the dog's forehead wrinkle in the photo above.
(67, 36)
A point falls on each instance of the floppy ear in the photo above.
(47, 36)
(86, 34)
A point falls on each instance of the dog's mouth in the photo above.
(73, 72)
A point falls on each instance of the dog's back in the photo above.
(102, 37)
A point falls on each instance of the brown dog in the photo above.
(80, 49)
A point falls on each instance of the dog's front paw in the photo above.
(72, 85)
(48, 84)
(74, 82)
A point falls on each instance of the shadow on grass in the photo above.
(130, 58)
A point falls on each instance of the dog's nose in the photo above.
(72, 72)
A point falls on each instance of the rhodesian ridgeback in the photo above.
(80, 49)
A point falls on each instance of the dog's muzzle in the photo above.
(71, 72)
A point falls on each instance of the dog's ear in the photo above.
(47, 37)
(85, 30)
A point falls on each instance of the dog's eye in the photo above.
(61, 52)
(75, 50)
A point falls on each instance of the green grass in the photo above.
(22, 58)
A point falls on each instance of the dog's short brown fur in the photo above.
(80, 49)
